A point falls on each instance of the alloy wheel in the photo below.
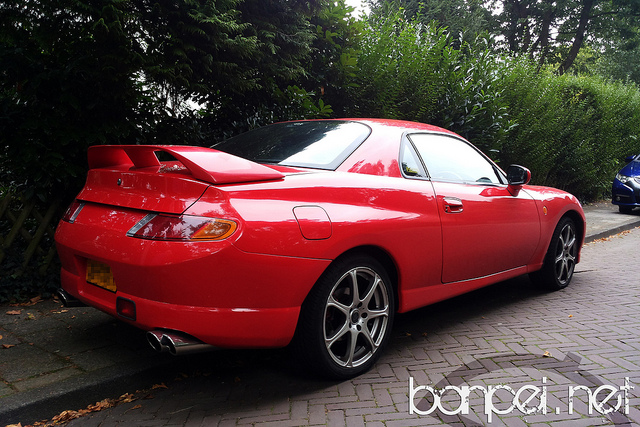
(356, 317)
(565, 256)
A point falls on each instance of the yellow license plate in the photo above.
(100, 274)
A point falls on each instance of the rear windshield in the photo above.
(313, 144)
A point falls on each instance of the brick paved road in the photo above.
(496, 336)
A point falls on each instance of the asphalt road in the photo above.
(569, 350)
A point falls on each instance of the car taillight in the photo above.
(182, 228)
(73, 211)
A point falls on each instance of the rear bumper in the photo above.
(221, 327)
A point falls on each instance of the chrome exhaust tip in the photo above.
(176, 343)
(69, 300)
(154, 338)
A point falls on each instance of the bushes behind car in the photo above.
(573, 132)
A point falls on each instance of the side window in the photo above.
(411, 165)
(451, 159)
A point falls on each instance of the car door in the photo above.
(485, 229)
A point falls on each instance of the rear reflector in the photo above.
(73, 211)
(126, 308)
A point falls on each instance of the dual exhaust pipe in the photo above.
(176, 343)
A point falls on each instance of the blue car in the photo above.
(626, 186)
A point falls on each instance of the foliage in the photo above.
(310, 89)
(549, 32)
(572, 132)
(413, 72)
(464, 19)
(21, 280)
(334, 54)
(15, 288)
(84, 72)
(64, 86)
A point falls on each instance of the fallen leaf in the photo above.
(0, 337)
(546, 354)
(157, 386)
(126, 398)
(65, 416)
(30, 316)
(7, 345)
(571, 315)
(14, 312)
(137, 407)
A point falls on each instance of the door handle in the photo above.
(452, 205)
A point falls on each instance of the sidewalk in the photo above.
(54, 359)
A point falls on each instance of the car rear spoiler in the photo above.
(205, 164)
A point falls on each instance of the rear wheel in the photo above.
(560, 261)
(347, 318)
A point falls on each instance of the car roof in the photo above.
(379, 153)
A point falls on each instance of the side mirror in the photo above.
(517, 176)
(629, 158)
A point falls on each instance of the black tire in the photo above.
(560, 261)
(347, 318)
(625, 209)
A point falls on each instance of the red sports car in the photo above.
(312, 232)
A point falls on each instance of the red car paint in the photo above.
(441, 238)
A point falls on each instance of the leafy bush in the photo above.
(410, 71)
(572, 132)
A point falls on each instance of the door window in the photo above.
(451, 159)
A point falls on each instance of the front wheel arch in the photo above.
(562, 254)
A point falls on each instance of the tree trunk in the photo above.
(585, 15)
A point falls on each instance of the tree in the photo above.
(463, 19)
(550, 32)
(82, 72)
(555, 31)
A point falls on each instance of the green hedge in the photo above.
(572, 132)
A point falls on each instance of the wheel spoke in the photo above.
(329, 341)
(345, 309)
(367, 334)
(371, 292)
(353, 341)
(372, 314)
(353, 275)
